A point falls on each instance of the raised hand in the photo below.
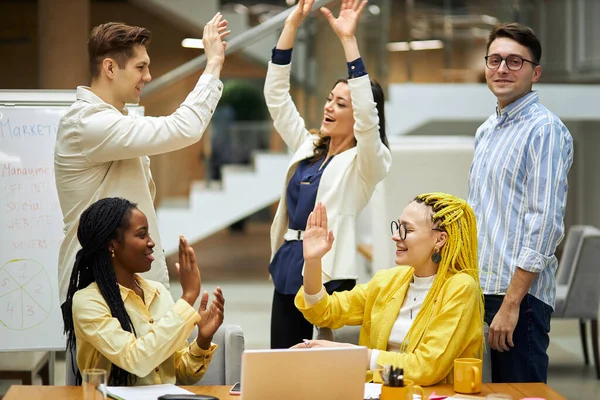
(215, 31)
(344, 25)
(189, 274)
(300, 13)
(212, 317)
(292, 22)
(317, 239)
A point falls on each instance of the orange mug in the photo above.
(467, 375)
(405, 392)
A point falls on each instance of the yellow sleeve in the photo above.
(450, 332)
(336, 310)
(95, 324)
(191, 362)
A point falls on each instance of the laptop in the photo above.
(304, 374)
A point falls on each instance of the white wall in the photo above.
(410, 106)
(419, 165)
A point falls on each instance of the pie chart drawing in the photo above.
(25, 294)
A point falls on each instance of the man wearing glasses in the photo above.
(518, 190)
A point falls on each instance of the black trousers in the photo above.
(288, 326)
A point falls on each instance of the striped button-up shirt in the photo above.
(518, 190)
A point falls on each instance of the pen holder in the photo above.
(401, 392)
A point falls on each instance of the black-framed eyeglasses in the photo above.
(513, 62)
(400, 229)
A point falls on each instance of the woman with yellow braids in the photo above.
(419, 316)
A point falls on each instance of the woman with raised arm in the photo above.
(419, 316)
(117, 321)
(339, 166)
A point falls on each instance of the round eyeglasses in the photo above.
(399, 228)
(513, 62)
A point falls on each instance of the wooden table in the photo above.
(516, 390)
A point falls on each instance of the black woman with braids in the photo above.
(419, 316)
(129, 326)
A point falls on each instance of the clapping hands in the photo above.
(189, 274)
(212, 317)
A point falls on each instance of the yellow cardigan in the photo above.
(455, 329)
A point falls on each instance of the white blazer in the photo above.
(349, 180)
(101, 152)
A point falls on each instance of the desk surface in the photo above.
(516, 390)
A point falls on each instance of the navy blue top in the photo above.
(301, 195)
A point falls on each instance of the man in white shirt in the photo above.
(101, 151)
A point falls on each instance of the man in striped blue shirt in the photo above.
(518, 190)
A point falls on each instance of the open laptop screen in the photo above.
(329, 373)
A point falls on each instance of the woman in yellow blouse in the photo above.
(117, 321)
(419, 316)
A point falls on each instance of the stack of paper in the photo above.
(151, 392)
(373, 391)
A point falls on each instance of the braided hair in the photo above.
(103, 221)
(458, 255)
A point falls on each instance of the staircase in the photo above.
(255, 42)
(244, 191)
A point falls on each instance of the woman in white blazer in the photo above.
(339, 167)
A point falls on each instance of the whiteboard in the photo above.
(31, 224)
(31, 229)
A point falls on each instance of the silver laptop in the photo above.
(304, 374)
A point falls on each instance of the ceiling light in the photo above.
(398, 46)
(192, 43)
(374, 9)
(415, 45)
(426, 44)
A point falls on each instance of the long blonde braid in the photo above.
(459, 255)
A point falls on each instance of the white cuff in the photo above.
(312, 299)
(374, 355)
